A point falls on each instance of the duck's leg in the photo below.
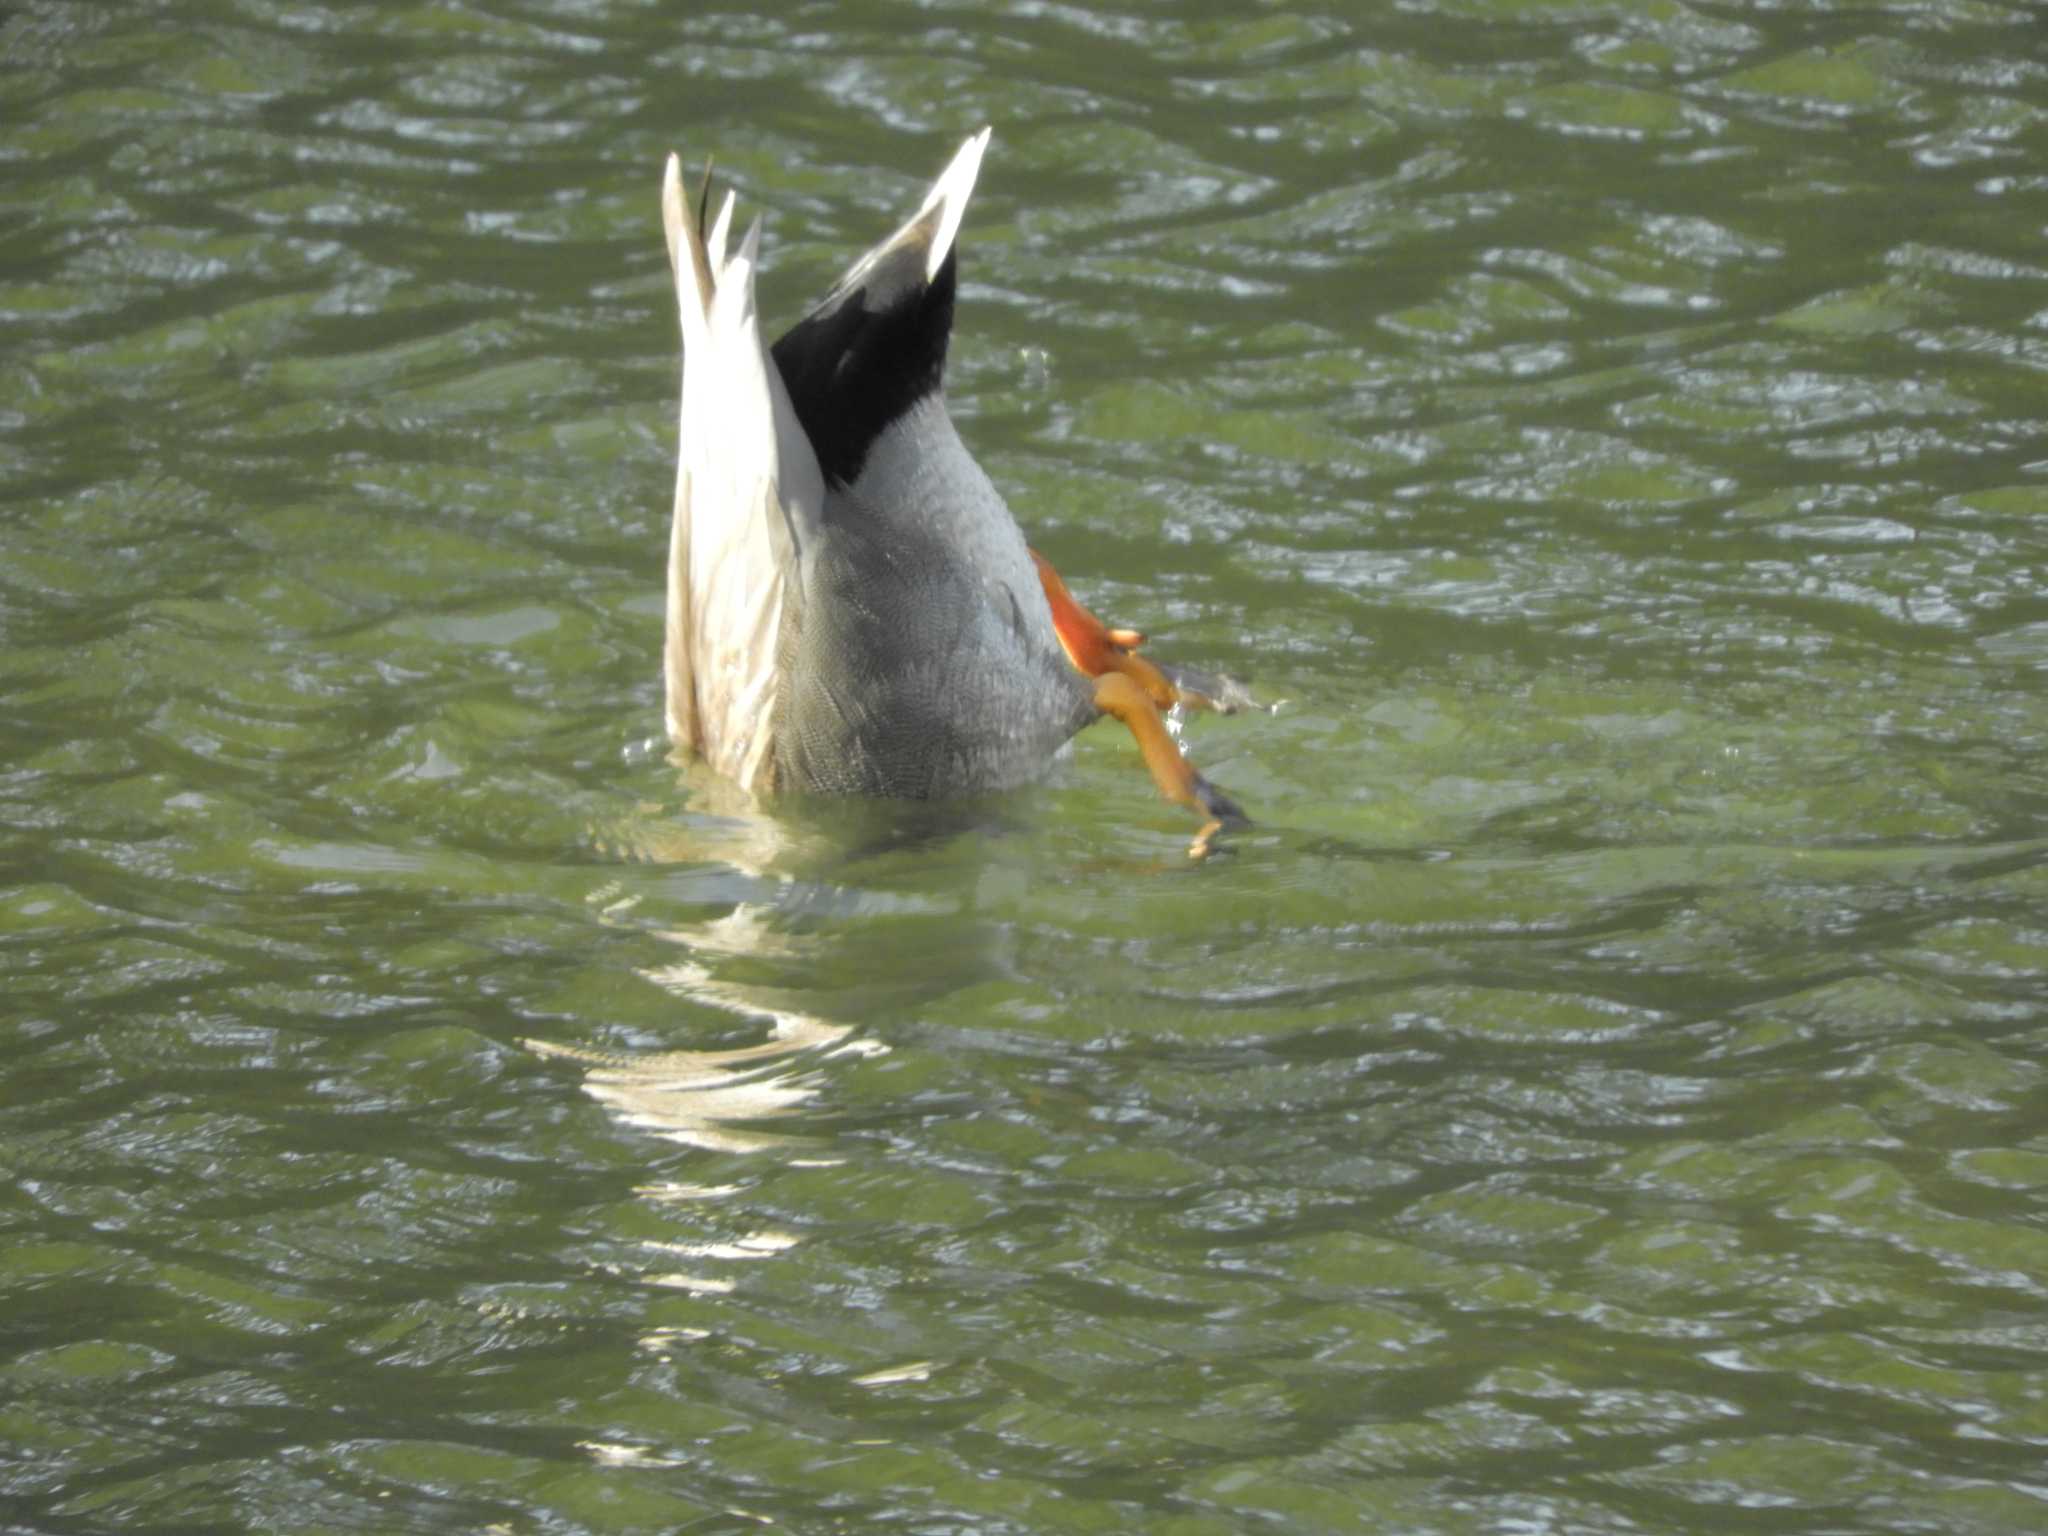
(1130, 688)
(1095, 649)
(1077, 626)
(1119, 695)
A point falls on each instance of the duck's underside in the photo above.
(851, 606)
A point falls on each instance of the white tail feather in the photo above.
(742, 466)
(745, 472)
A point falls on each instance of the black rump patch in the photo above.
(851, 370)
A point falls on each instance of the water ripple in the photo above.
(1600, 1093)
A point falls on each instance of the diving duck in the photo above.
(852, 608)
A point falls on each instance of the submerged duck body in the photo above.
(918, 653)
(853, 608)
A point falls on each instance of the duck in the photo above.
(852, 608)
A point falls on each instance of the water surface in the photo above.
(1606, 1092)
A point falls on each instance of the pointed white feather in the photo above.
(918, 248)
(720, 228)
(743, 467)
(949, 194)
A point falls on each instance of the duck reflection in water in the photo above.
(718, 1100)
(789, 889)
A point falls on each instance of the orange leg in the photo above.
(1134, 691)
(1093, 647)
(1116, 694)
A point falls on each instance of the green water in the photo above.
(1606, 1092)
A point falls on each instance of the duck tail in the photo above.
(875, 345)
(948, 199)
(746, 477)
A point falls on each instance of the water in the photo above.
(1606, 1092)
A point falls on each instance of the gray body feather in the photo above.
(917, 652)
